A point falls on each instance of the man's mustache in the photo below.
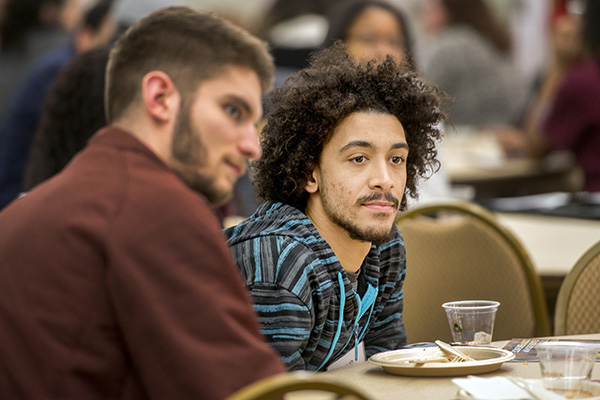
(380, 196)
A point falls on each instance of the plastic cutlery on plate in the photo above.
(447, 349)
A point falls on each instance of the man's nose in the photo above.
(249, 144)
(381, 177)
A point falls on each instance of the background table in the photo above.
(475, 158)
(554, 245)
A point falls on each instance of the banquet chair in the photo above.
(458, 250)
(578, 302)
(278, 385)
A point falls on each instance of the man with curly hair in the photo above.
(322, 257)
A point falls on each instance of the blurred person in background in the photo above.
(72, 113)
(16, 134)
(115, 280)
(566, 50)
(471, 60)
(566, 114)
(30, 28)
(372, 29)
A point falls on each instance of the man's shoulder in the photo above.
(392, 255)
(142, 184)
(394, 243)
(274, 221)
(282, 235)
(283, 245)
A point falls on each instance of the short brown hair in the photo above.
(187, 45)
(302, 114)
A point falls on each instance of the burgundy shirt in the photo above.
(573, 122)
(116, 283)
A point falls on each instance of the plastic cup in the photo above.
(567, 366)
(471, 322)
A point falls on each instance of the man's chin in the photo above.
(373, 234)
(215, 196)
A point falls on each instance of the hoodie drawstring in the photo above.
(365, 304)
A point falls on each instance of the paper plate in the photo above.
(398, 362)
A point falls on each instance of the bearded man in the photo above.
(115, 279)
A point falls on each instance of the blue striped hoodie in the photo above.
(306, 305)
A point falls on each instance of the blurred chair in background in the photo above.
(275, 386)
(578, 303)
(459, 251)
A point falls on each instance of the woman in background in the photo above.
(372, 29)
(572, 121)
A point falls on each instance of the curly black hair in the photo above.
(301, 115)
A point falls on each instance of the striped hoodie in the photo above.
(306, 304)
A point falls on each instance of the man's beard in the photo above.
(189, 155)
(337, 216)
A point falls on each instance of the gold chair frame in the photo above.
(278, 385)
(565, 293)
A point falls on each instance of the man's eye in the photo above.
(397, 159)
(358, 159)
(233, 111)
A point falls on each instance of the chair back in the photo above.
(274, 387)
(459, 251)
(578, 303)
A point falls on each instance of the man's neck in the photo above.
(350, 252)
(156, 136)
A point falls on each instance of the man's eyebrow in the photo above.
(356, 143)
(363, 143)
(241, 102)
(400, 145)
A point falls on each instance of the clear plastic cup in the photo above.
(567, 366)
(471, 321)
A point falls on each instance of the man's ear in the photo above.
(312, 182)
(160, 96)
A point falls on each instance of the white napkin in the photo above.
(496, 388)
(502, 388)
